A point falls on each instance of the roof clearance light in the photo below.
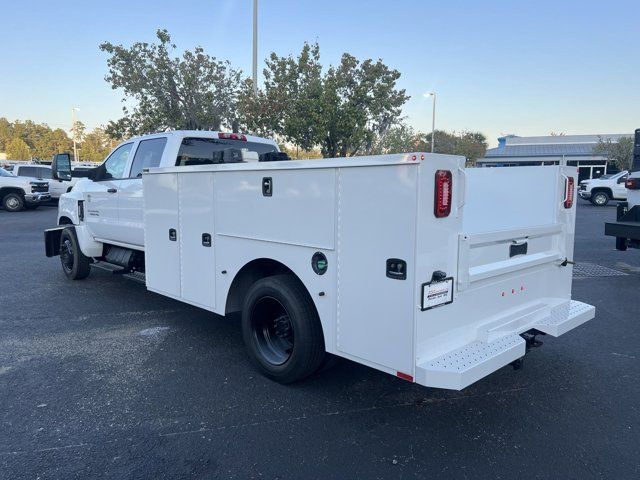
(232, 136)
(442, 200)
(568, 200)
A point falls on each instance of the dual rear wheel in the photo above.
(281, 329)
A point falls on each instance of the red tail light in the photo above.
(568, 199)
(232, 136)
(632, 183)
(443, 187)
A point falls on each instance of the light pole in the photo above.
(73, 132)
(433, 119)
(255, 48)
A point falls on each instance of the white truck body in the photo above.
(441, 301)
(360, 213)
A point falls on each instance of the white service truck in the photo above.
(408, 263)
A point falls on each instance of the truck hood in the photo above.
(22, 182)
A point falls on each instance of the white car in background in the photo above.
(56, 187)
(607, 187)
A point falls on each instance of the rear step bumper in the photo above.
(460, 368)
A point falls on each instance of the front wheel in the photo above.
(600, 199)
(13, 202)
(281, 329)
(75, 264)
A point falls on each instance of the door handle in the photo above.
(112, 190)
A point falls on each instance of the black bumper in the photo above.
(626, 229)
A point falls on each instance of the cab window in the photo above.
(148, 155)
(29, 172)
(116, 163)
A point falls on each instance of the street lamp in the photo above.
(255, 48)
(73, 132)
(433, 119)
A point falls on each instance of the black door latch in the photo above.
(396, 269)
(206, 239)
(267, 186)
(173, 235)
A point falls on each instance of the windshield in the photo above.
(4, 173)
(198, 151)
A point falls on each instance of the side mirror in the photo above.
(622, 179)
(61, 166)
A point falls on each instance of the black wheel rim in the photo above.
(272, 330)
(66, 255)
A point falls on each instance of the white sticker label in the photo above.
(437, 293)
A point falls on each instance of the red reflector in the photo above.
(442, 200)
(632, 183)
(232, 136)
(568, 199)
(404, 376)
(422, 157)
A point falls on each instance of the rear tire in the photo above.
(281, 329)
(13, 202)
(600, 199)
(75, 264)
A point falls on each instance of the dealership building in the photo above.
(574, 150)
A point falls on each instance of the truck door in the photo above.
(148, 154)
(101, 197)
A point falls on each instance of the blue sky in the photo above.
(527, 68)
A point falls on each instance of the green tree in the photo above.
(95, 145)
(620, 152)
(77, 131)
(472, 145)
(40, 138)
(194, 91)
(17, 149)
(399, 138)
(341, 111)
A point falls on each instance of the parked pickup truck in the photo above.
(18, 193)
(607, 187)
(408, 263)
(56, 187)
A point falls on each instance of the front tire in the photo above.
(600, 199)
(75, 264)
(281, 329)
(13, 202)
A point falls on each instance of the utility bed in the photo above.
(431, 272)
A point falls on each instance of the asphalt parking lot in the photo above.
(102, 379)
